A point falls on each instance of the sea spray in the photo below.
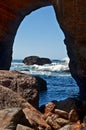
(60, 84)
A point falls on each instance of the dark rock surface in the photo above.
(12, 12)
(31, 60)
(26, 86)
(73, 24)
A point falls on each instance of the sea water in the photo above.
(60, 84)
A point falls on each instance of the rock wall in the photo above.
(71, 15)
(12, 12)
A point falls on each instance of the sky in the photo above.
(39, 34)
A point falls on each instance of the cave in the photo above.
(72, 20)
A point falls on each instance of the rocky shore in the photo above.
(19, 110)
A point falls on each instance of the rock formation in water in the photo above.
(31, 60)
(71, 16)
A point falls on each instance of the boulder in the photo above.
(51, 120)
(10, 99)
(31, 60)
(62, 114)
(32, 117)
(17, 114)
(10, 117)
(26, 86)
(36, 119)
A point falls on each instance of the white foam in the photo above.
(47, 69)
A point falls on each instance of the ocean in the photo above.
(60, 84)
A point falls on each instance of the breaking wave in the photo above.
(57, 66)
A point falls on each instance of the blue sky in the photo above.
(39, 34)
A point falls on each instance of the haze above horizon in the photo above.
(39, 34)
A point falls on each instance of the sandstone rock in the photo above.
(35, 119)
(51, 120)
(73, 116)
(21, 127)
(10, 117)
(10, 99)
(31, 60)
(76, 126)
(61, 113)
(49, 108)
(62, 121)
(26, 86)
(66, 127)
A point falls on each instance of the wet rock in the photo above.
(31, 60)
(26, 86)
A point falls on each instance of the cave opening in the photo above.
(39, 34)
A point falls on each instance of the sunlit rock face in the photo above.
(71, 15)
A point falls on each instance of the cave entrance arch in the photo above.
(39, 34)
(72, 20)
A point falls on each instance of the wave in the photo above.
(57, 66)
(54, 67)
